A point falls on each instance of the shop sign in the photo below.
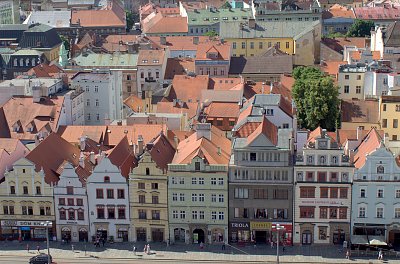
(320, 202)
(240, 225)
(286, 226)
(260, 225)
(21, 223)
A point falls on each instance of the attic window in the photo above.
(144, 61)
(106, 179)
(224, 18)
(156, 61)
(215, 18)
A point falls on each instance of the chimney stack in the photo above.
(203, 130)
(195, 40)
(82, 143)
(82, 160)
(163, 40)
(140, 144)
(92, 158)
(219, 151)
(176, 141)
(359, 133)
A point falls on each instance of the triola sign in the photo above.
(240, 225)
(21, 223)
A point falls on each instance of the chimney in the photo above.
(252, 23)
(176, 141)
(359, 133)
(271, 87)
(140, 144)
(195, 40)
(323, 133)
(37, 141)
(92, 158)
(82, 143)
(219, 151)
(203, 130)
(82, 161)
(163, 40)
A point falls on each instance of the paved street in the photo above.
(122, 253)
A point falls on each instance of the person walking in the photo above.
(272, 243)
(148, 249)
(223, 246)
(27, 247)
(380, 255)
(348, 254)
(38, 249)
(145, 249)
(134, 250)
(201, 245)
(103, 240)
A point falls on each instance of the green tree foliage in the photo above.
(360, 28)
(131, 17)
(65, 40)
(211, 33)
(316, 98)
(227, 5)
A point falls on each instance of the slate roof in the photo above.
(392, 35)
(55, 19)
(40, 36)
(107, 60)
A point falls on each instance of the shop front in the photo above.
(25, 230)
(239, 232)
(260, 232)
(339, 232)
(73, 233)
(285, 234)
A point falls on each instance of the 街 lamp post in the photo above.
(47, 224)
(278, 227)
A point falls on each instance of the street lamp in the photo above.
(46, 225)
(278, 227)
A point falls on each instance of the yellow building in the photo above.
(390, 116)
(26, 202)
(148, 188)
(254, 47)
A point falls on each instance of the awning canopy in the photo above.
(377, 241)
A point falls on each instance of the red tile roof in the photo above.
(97, 18)
(177, 66)
(162, 151)
(223, 51)
(123, 157)
(72, 134)
(331, 67)
(151, 57)
(160, 24)
(135, 103)
(338, 11)
(368, 145)
(44, 70)
(338, 44)
(360, 111)
(386, 12)
(175, 108)
(179, 43)
(267, 129)
(222, 109)
(247, 129)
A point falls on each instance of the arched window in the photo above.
(106, 179)
(15, 62)
(334, 160)
(322, 159)
(33, 62)
(380, 169)
(147, 171)
(21, 62)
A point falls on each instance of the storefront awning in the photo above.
(377, 241)
(359, 240)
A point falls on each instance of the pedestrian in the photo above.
(148, 249)
(38, 249)
(72, 248)
(348, 254)
(272, 244)
(201, 245)
(283, 247)
(145, 249)
(223, 246)
(134, 250)
(255, 245)
(27, 247)
(380, 255)
(103, 240)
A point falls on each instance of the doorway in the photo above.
(26, 233)
(141, 234)
(102, 234)
(198, 236)
(339, 237)
(306, 237)
(157, 235)
(179, 234)
(261, 237)
(83, 235)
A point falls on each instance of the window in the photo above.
(129, 88)
(30, 210)
(243, 45)
(220, 181)
(157, 75)
(324, 192)
(174, 197)
(306, 212)
(251, 45)
(397, 108)
(380, 193)
(100, 213)
(194, 214)
(323, 212)
(343, 213)
(155, 214)
(362, 193)
(97, 102)
(87, 102)
(96, 89)
(70, 201)
(214, 215)
(221, 198)
(321, 176)
(343, 193)
(322, 233)
(260, 45)
(183, 214)
(154, 199)
(287, 44)
(213, 181)
(396, 212)
(398, 193)
(99, 194)
(181, 180)
(253, 156)
(201, 197)
(194, 197)
(361, 212)
(142, 214)
(79, 202)
(395, 123)
(12, 189)
(194, 180)
(346, 89)
(110, 194)
(197, 166)
(61, 201)
(220, 215)
(25, 189)
(213, 198)
(333, 213)
(358, 89)
(175, 214)
(233, 45)
(280, 194)
(121, 213)
(260, 194)
(379, 212)
(142, 199)
(182, 197)
(70, 190)
(81, 215)
(346, 77)
(384, 123)
(384, 107)
(121, 193)
(241, 193)
(334, 177)
(307, 192)
(154, 186)
(141, 185)
(334, 192)
(201, 181)
(38, 191)
(63, 215)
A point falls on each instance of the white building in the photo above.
(151, 66)
(107, 190)
(376, 192)
(322, 202)
(102, 95)
(71, 206)
(74, 107)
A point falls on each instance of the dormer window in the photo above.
(322, 160)
(106, 179)
(156, 61)
(334, 160)
(144, 61)
(380, 169)
(212, 55)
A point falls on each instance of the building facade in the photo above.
(351, 81)
(322, 202)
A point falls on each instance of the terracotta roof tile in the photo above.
(9, 144)
(177, 66)
(22, 112)
(332, 67)
(247, 129)
(386, 12)
(179, 42)
(222, 109)
(44, 70)
(267, 129)
(135, 103)
(338, 11)
(360, 111)
(97, 18)
(175, 108)
(223, 50)
(123, 157)
(151, 57)
(160, 24)
(369, 143)
(162, 151)
(147, 131)
(338, 44)
(73, 134)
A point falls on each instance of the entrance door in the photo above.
(261, 237)
(179, 234)
(339, 237)
(198, 236)
(157, 235)
(26, 233)
(306, 238)
(102, 234)
(83, 235)
(141, 234)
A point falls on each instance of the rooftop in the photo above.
(157, 23)
(55, 19)
(97, 18)
(151, 57)
(177, 66)
(338, 44)
(212, 16)
(179, 42)
(119, 60)
(360, 111)
(386, 12)
(222, 50)
(338, 11)
(222, 109)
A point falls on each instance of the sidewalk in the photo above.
(298, 254)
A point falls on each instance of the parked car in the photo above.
(40, 259)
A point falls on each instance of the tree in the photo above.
(227, 5)
(316, 98)
(360, 28)
(131, 17)
(65, 40)
(211, 33)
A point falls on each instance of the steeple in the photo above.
(63, 56)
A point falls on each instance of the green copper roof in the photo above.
(213, 16)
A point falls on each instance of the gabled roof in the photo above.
(177, 66)
(97, 18)
(73, 134)
(267, 129)
(338, 11)
(368, 145)
(161, 151)
(123, 157)
(151, 57)
(175, 108)
(204, 148)
(135, 103)
(222, 109)
(222, 49)
(392, 35)
(9, 144)
(44, 70)
(338, 44)
(179, 43)
(360, 111)
(386, 12)
(157, 23)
